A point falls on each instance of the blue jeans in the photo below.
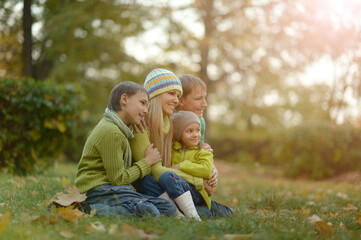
(123, 200)
(175, 186)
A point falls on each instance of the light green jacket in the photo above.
(102, 159)
(196, 162)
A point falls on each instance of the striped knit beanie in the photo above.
(161, 80)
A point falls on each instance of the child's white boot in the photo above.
(166, 197)
(186, 204)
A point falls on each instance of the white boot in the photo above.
(185, 203)
(166, 197)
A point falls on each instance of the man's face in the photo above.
(195, 101)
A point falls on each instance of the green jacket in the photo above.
(196, 162)
(139, 144)
(102, 159)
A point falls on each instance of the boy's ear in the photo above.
(123, 99)
(181, 102)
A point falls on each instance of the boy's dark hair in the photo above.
(190, 82)
(128, 88)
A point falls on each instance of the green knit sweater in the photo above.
(102, 159)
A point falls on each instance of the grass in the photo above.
(267, 206)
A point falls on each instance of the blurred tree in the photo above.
(251, 55)
(75, 41)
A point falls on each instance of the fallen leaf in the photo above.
(73, 196)
(113, 228)
(314, 219)
(70, 214)
(342, 195)
(325, 229)
(97, 226)
(65, 181)
(137, 232)
(32, 179)
(306, 211)
(4, 221)
(26, 217)
(237, 236)
(20, 183)
(350, 207)
(66, 234)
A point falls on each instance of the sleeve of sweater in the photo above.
(139, 144)
(201, 166)
(112, 150)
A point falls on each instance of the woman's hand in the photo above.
(214, 177)
(152, 155)
(140, 127)
(177, 166)
(208, 187)
(206, 147)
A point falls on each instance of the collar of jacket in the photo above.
(178, 146)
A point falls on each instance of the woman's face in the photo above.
(169, 101)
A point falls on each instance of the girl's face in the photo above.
(134, 107)
(169, 101)
(191, 135)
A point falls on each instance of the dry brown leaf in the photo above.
(324, 228)
(4, 221)
(237, 236)
(20, 183)
(73, 196)
(66, 234)
(350, 207)
(97, 226)
(314, 219)
(26, 217)
(32, 179)
(70, 214)
(137, 232)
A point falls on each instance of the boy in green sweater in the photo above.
(105, 171)
(189, 157)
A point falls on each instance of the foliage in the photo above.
(265, 206)
(319, 150)
(36, 120)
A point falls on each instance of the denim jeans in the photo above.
(175, 186)
(123, 200)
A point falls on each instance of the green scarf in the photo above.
(113, 117)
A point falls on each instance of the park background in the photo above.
(283, 82)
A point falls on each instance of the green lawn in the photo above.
(266, 205)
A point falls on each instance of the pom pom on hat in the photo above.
(160, 81)
(181, 120)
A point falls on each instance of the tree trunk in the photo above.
(27, 45)
(208, 21)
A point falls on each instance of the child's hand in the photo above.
(206, 147)
(152, 155)
(142, 126)
(175, 166)
(208, 187)
(214, 177)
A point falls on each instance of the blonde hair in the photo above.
(155, 120)
(189, 82)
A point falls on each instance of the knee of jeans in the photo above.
(147, 209)
(166, 176)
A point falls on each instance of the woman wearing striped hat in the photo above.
(164, 89)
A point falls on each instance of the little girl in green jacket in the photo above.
(190, 158)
